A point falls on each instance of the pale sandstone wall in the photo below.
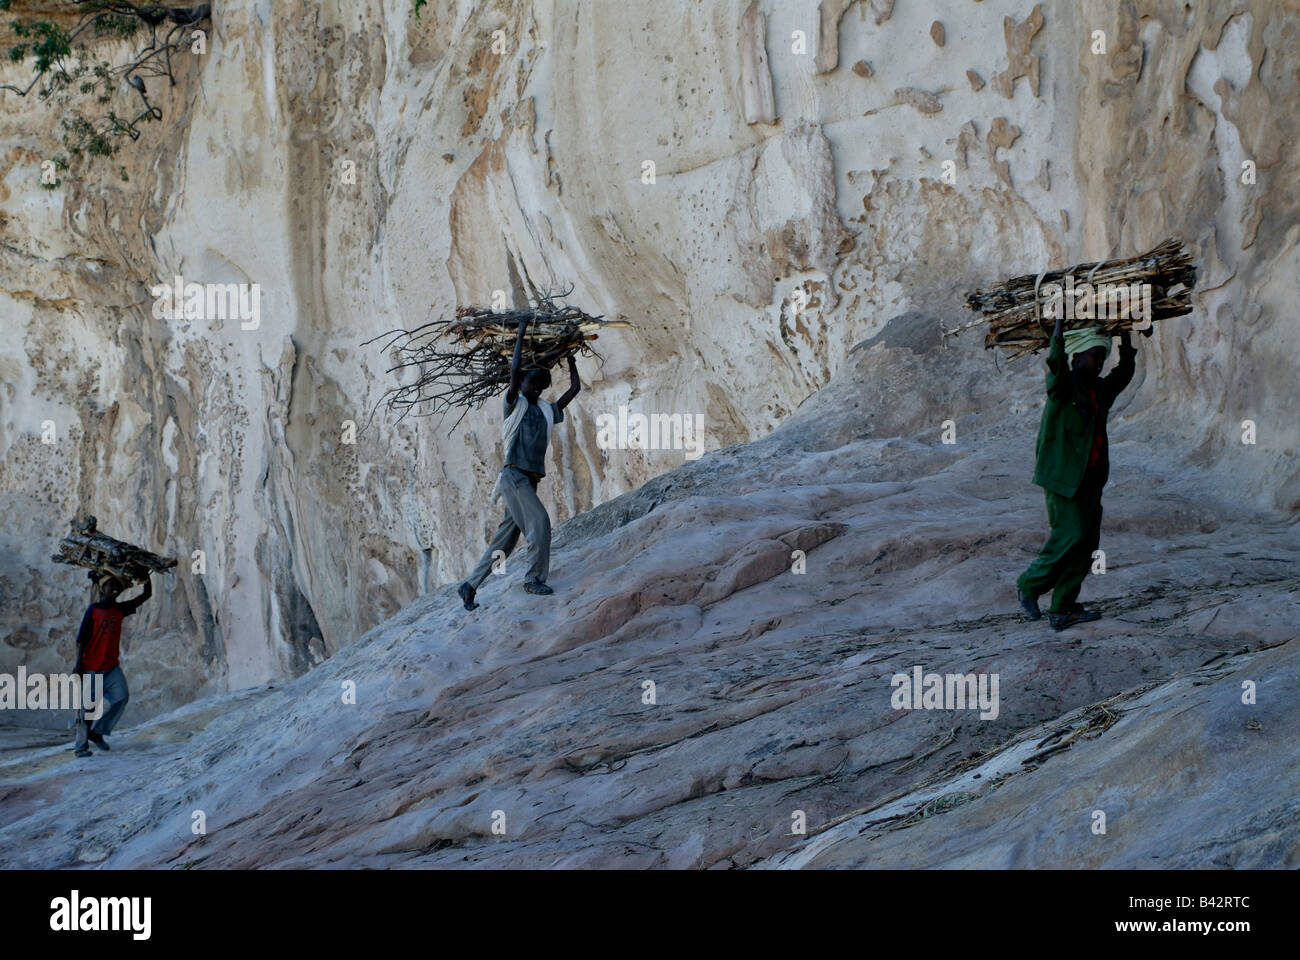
(473, 167)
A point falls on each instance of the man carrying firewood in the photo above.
(97, 652)
(526, 434)
(1072, 466)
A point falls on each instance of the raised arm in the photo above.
(131, 606)
(1058, 368)
(574, 385)
(516, 368)
(83, 638)
(1115, 381)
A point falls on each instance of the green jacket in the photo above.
(1066, 429)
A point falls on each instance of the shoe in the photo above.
(82, 752)
(536, 586)
(1029, 605)
(1061, 621)
(98, 740)
(467, 595)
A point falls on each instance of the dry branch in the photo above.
(105, 556)
(465, 361)
(1014, 309)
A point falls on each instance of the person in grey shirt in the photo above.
(528, 432)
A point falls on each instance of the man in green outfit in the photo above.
(1072, 466)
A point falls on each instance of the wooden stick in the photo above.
(465, 361)
(1012, 310)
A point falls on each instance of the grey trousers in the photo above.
(524, 513)
(115, 697)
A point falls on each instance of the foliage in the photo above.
(69, 77)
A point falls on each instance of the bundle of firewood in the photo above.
(105, 557)
(465, 361)
(1019, 312)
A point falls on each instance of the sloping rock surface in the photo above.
(368, 169)
(687, 693)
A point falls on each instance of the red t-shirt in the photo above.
(101, 634)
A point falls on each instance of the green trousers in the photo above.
(1066, 557)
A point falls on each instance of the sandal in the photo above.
(1061, 621)
(1029, 605)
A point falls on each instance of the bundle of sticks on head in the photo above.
(107, 558)
(465, 361)
(1115, 295)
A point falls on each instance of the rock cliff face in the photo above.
(798, 154)
(693, 697)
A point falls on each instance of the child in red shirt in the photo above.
(98, 644)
